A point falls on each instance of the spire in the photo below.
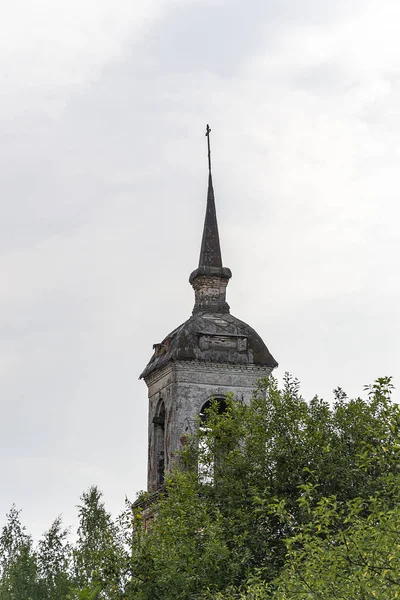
(210, 252)
(210, 279)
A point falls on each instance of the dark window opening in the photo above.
(159, 442)
(221, 408)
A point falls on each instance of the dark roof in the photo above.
(210, 260)
(210, 252)
(215, 338)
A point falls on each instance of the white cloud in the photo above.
(104, 181)
(48, 47)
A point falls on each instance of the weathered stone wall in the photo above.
(184, 387)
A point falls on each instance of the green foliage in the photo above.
(346, 550)
(95, 567)
(18, 561)
(259, 465)
(89, 593)
(351, 548)
(99, 556)
(54, 555)
(281, 499)
(184, 549)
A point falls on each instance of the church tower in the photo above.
(209, 355)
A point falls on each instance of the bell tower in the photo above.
(209, 355)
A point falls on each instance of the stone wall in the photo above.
(183, 387)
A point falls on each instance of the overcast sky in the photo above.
(103, 108)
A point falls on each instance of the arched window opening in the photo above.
(207, 459)
(221, 407)
(159, 443)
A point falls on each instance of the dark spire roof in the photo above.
(210, 253)
(210, 260)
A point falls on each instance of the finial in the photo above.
(208, 131)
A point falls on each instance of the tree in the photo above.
(100, 559)
(351, 549)
(18, 561)
(54, 557)
(346, 549)
(281, 499)
(185, 547)
(211, 536)
(96, 566)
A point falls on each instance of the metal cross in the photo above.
(208, 131)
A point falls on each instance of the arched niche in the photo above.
(159, 443)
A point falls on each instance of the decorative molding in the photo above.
(197, 366)
(158, 374)
(228, 376)
(200, 366)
